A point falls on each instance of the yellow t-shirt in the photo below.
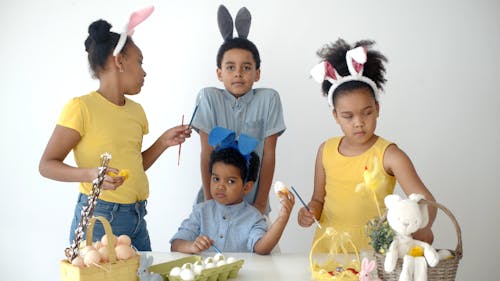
(118, 130)
(344, 208)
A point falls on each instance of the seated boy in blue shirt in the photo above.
(227, 221)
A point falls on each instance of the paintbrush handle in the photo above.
(305, 206)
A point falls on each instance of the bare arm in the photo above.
(197, 246)
(266, 244)
(305, 218)
(51, 166)
(206, 150)
(397, 163)
(171, 137)
(266, 173)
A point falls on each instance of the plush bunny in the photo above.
(367, 267)
(406, 216)
(143, 272)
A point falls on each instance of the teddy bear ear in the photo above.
(391, 200)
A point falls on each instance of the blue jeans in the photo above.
(124, 219)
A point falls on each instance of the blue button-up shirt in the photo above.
(234, 228)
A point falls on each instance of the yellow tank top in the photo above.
(345, 209)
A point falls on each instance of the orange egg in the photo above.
(78, 261)
(92, 257)
(124, 252)
(86, 249)
(105, 239)
(124, 240)
(104, 252)
(97, 245)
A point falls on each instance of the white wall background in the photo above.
(442, 106)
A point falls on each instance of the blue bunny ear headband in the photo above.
(221, 138)
(225, 21)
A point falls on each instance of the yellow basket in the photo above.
(339, 264)
(114, 270)
(220, 273)
(445, 270)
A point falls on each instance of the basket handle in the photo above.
(459, 249)
(109, 234)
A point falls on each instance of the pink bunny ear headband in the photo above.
(135, 19)
(355, 58)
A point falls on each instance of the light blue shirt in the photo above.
(257, 113)
(234, 228)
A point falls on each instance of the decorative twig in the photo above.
(88, 210)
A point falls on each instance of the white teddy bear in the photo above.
(406, 216)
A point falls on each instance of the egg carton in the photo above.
(220, 273)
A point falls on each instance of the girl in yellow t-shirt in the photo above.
(351, 76)
(107, 121)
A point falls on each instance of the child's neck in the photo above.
(111, 94)
(348, 148)
(236, 95)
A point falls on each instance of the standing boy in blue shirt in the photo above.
(238, 107)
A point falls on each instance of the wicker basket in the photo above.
(123, 270)
(445, 270)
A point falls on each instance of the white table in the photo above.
(289, 267)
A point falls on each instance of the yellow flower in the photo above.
(416, 251)
(123, 173)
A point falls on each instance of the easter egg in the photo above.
(198, 267)
(124, 252)
(97, 245)
(86, 249)
(104, 252)
(123, 240)
(280, 187)
(78, 261)
(176, 271)
(105, 239)
(92, 257)
(187, 274)
(219, 257)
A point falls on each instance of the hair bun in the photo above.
(99, 31)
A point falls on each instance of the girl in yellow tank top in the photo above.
(344, 198)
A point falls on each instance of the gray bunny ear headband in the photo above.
(225, 21)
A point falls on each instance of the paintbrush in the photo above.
(305, 206)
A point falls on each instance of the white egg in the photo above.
(209, 265)
(221, 263)
(198, 267)
(230, 260)
(209, 260)
(219, 257)
(187, 265)
(280, 186)
(176, 271)
(187, 274)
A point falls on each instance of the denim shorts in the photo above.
(124, 219)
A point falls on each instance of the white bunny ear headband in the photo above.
(135, 19)
(225, 21)
(356, 59)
